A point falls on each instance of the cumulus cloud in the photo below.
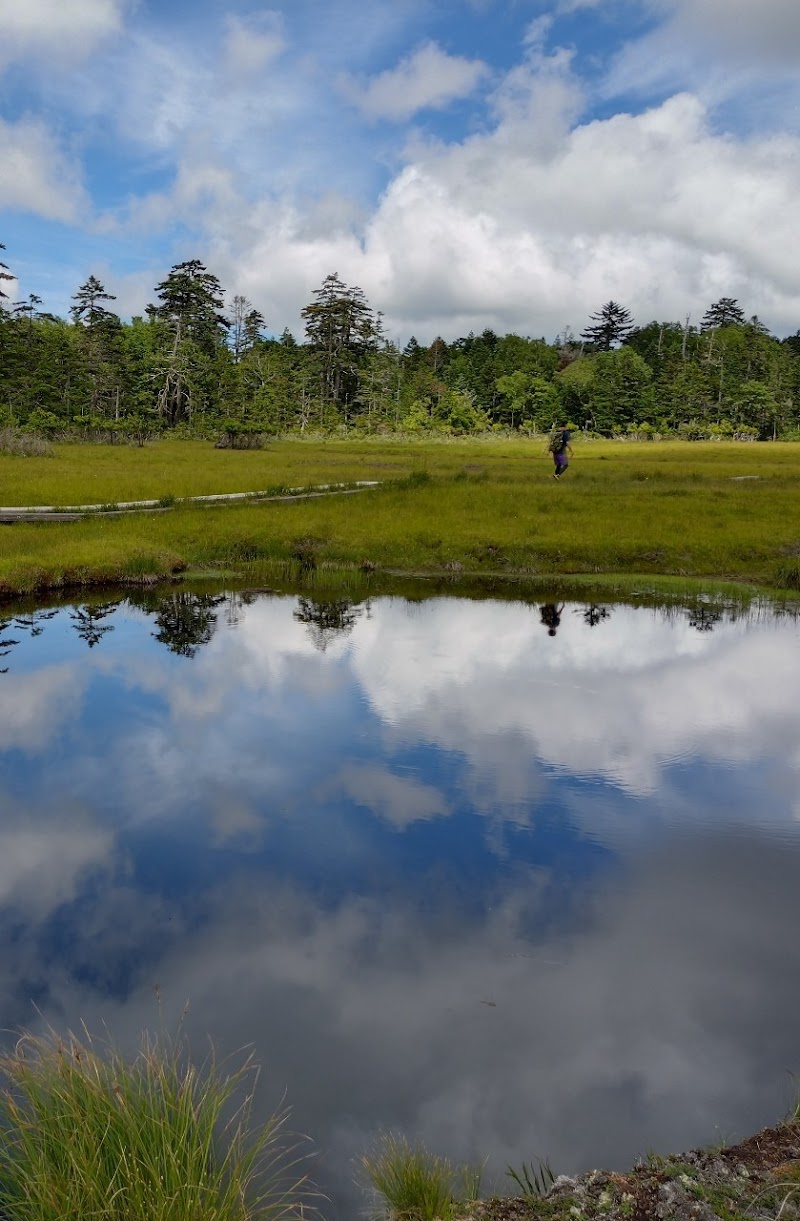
(36, 176)
(427, 79)
(54, 29)
(530, 225)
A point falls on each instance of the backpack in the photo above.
(556, 442)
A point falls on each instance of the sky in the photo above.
(467, 163)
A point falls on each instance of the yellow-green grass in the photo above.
(624, 513)
(87, 1133)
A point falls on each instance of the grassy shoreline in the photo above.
(693, 516)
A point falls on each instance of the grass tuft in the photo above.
(533, 1181)
(413, 1184)
(89, 1134)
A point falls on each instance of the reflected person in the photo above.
(550, 616)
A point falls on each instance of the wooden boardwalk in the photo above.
(46, 514)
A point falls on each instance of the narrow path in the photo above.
(53, 513)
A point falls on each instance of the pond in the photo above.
(515, 879)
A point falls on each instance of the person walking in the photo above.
(559, 446)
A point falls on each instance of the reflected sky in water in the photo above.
(517, 879)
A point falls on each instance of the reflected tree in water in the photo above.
(704, 618)
(594, 614)
(88, 621)
(185, 621)
(326, 620)
(6, 642)
(235, 602)
(34, 622)
(550, 616)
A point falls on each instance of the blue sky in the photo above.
(467, 162)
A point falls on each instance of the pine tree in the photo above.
(722, 313)
(611, 325)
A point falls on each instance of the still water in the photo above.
(517, 880)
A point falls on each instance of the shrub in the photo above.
(24, 444)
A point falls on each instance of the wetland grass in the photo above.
(413, 1184)
(86, 1133)
(629, 512)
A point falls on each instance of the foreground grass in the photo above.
(412, 1184)
(87, 1134)
(643, 512)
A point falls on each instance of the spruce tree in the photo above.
(724, 312)
(612, 325)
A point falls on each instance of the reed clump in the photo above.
(85, 1133)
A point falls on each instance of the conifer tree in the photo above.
(5, 274)
(612, 325)
(341, 328)
(193, 330)
(722, 313)
(87, 309)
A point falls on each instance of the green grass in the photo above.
(532, 1179)
(88, 1134)
(415, 1185)
(640, 515)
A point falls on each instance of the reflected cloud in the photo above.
(399, 799)
(503, 890)
(45, 856)
(646, 1025)
(35, 708)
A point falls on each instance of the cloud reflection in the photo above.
(515, 894)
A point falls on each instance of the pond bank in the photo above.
(756, 1180)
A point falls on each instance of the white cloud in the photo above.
(620, 701)
(750, 28)
(36, 176)
(399, 799)
(34, 708)
(529, 226)
(54, 28)
(430, 78)
(43, 859)
(250, 45)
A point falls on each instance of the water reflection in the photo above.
(515, 891)
(550, 615)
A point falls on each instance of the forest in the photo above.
(199, 366)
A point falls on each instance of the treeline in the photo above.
(191, 364)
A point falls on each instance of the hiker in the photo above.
(550, 616)
(559, 446)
